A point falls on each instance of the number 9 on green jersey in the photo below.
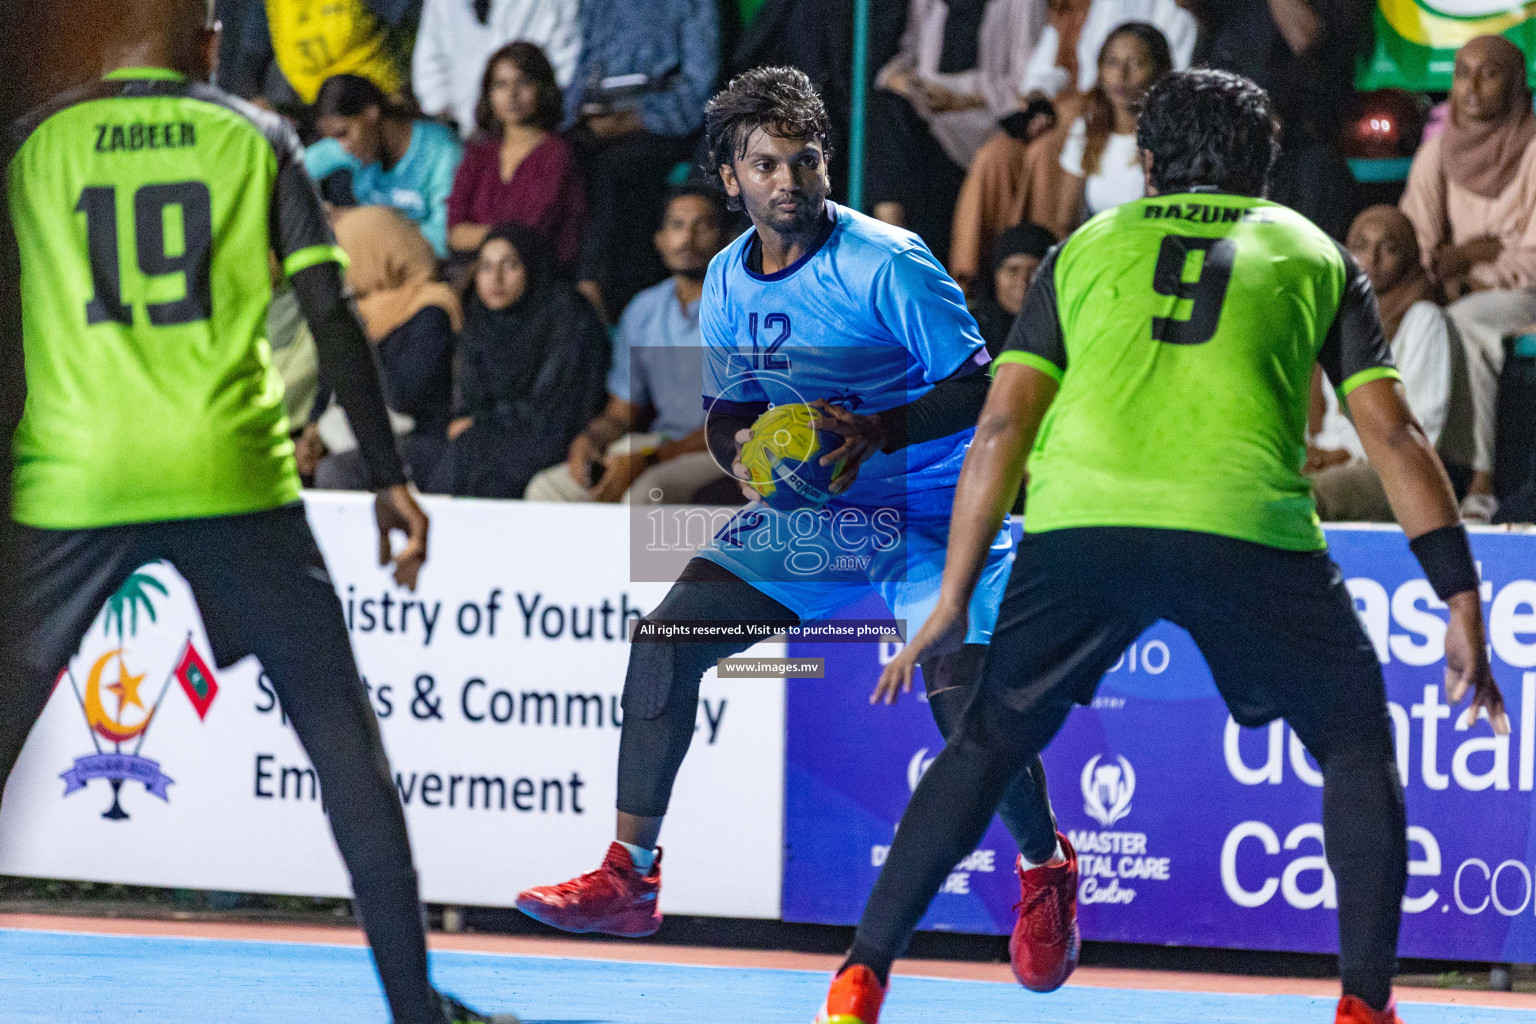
(1182, 330)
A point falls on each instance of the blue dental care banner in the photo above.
(1189, 829)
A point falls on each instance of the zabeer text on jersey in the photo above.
(1205, 213)
(133, 138)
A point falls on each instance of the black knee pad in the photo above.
(655, 670)
(705, 592)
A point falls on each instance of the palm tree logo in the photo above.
(123, 605)
(140, 591)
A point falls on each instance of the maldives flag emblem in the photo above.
(196, 678)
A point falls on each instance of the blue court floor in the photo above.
(65, 977)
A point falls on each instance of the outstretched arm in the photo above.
(347, 365)
(1425, 507)
(989, 482)
(1410, 470)
(1356, 358)
(992, 474)
(1029, 370)
(302, 237)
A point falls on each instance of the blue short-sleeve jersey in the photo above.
(869, 320)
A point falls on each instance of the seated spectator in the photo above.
(1471, 196)
(648, 446)
(647, 68)
(533, 359)
(1100, 156)
(1011, 182)
(1016, 176)
(937, 101)
(1303, 52)
(1346, 486)
(517, 170)
(456, 38)
(375, 154)
(1015, 258)
(411, 318)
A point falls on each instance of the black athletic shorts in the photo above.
(246, 572)
(1277, 628)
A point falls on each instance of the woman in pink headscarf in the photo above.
(1346, 487)
(1471, 196)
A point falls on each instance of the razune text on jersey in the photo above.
(1204, 213)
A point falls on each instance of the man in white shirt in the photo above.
(457, 37)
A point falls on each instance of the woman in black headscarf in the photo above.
(1015, 257)
(533, 370)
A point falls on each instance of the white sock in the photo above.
(642, 858)
(1060, 854)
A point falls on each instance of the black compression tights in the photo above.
(300, 636)
(661, 696)
(1026, 805)
(1363, 823)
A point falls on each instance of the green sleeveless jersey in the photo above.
(145, 209)
(1183, 330)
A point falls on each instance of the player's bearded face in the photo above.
(782, 182)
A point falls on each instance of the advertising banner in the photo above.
(497, 689)
(1191, 830)
(1416, 40)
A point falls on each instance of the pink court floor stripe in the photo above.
(512, 945)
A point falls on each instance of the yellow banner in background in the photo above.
(1416, 40)
(1451, 24)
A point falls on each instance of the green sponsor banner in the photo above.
(1416, 41)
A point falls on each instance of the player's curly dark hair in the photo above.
(1210, 128)
(780, 100)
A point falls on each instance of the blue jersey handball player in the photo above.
(821, 305)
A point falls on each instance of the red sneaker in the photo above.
(615, 899)
(1045, 942)
(1354, 1010)
(854, 998)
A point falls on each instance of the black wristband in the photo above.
(1446, 558)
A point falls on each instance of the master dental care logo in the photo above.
(128, 723)
(1105, 858)
(1107, 790)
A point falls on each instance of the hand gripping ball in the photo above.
(783, 458)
